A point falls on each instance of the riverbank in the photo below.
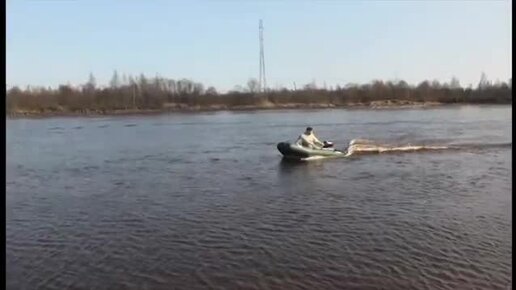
(161, 96)
(182, 108)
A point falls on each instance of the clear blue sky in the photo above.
(216, 42)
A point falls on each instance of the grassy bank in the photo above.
(182, 109)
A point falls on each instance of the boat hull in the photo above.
(293, 151)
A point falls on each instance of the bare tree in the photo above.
(483, 83)
(115, 81)
(197, 89)
(253, 85)
(90, 86)
(454, 83)
(310, 86)
(211, 91)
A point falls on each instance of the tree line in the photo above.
(158, 93)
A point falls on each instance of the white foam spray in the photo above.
(368, 146)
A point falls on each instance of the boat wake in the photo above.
(364, 146)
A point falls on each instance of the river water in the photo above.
(204, 201)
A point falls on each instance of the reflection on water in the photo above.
(205, 201)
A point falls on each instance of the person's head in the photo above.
(309, 130)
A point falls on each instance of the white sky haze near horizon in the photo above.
(216, 42)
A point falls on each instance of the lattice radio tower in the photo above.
(262, 81)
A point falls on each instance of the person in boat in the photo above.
(308, 139)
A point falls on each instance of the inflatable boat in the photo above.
(294, 151)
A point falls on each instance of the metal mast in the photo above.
(262, 81)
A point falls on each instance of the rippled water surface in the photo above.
(204, 201)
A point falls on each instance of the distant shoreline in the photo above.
(143, 96)
(378, 105)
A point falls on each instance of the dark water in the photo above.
(204, 201)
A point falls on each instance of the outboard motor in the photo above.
(328, 144)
